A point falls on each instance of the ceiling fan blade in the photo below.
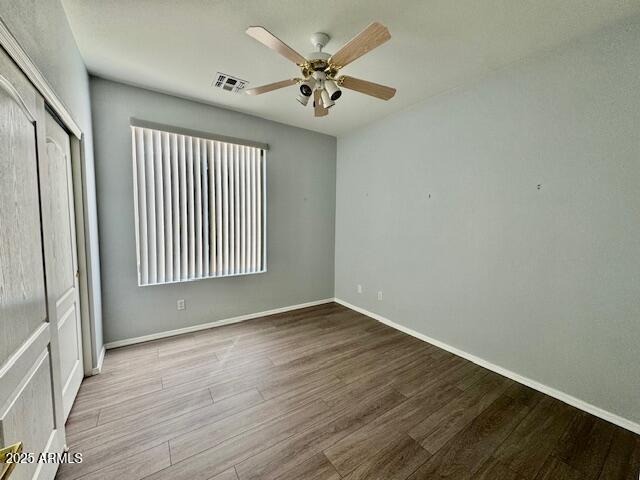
(270, 87)
(371, 37)
(268, 39)
(368, 88)
(319, 110)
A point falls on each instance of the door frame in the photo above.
(11, 46)
(77, 175)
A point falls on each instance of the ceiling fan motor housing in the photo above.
(318, 61)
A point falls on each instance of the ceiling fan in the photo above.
(320, 71)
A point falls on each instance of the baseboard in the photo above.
(217, 323)
(98, 368)
(552, 392)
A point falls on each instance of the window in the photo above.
(200, 205)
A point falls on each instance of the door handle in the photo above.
(7, 467)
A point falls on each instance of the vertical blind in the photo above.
(200, 207)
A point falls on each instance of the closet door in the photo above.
(30, 395)
(61, 260)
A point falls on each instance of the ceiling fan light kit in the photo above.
(332, 89)
(320, 70)
(307, 87)
(326, 99)
(303, 99)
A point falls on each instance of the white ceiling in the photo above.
(436, 45)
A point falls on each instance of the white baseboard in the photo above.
(98, 368)
(552, 392)
(217, 323)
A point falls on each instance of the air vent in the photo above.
(229, 83)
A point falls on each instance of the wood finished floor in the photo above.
(326, 393)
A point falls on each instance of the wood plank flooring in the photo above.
(325, 393)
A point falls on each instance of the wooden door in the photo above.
(61, 260)
(30, 393)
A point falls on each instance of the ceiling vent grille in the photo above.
(229, 83)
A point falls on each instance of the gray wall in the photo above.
(301, 168)
(41, 28)
(439, 208)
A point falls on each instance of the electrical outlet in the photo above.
(359, 288)
(380, 295)
(181, 304)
